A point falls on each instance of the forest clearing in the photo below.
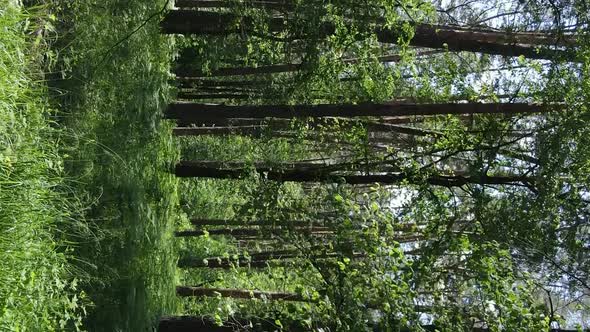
(294, 165)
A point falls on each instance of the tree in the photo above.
(528, 44)
(186, 291)
(186, 112)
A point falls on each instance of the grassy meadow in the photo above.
(87, 205)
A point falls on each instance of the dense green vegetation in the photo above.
(422, 222)
(119, 156)
(438, 180)
(87, 204)
(40, 289)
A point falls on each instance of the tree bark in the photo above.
(206, 324)
(453, 38)
(263, 259)
(192, 112)
(253, 262)
(187, 72)
(222, 89)
(196, 83)
(202, 96)
(319, 231)
(269, 223)
(255, 131)
(280, 5)
(373, 127)
(197, 222)
(192, 324)
(187, 291)
(198, 169)
(285, 124)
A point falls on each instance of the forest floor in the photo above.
(87, 205)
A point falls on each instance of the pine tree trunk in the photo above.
(504, 43)
(201, 169)
(237, 232)
(191, 324)
(187, 291)
(192, 112)
(201, 96)
(264, 259)
(254, 131)
(187, 72)
(260, 260)
(269, 223)
(529, 45)
(196, 83)
(280, 5)
(237, 71)
(373, 127)
(206, 324)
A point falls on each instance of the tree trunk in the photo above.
(255, 261)
(262, 259)
(268, 223)
(202, 96)
(222, 89)
(373, 127)
(192, 324)
(192, 112)
(206, 324)
(318, 231)
(280, 5)
(285, 124)
(454, 38)
(255, 131)
(196, 83)
(187, 291)
(187, 72)
(199, 169)
(529, 45)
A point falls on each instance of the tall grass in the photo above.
(38, 289)
(116, 87)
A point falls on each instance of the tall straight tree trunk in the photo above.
(199, 169)
(188, 72)
(234, 324)
(269, 223)
(262, 259)
(373, 127)
(254, 131)
(280, 5)
(192, 324)
(229, 89)
(203, 96)
(253, 262)
(205, 324)
(187, 291)
(285, 123)
(454, 38)
(193, 263)
(187, 112)
(319, 231)
(196, 83)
